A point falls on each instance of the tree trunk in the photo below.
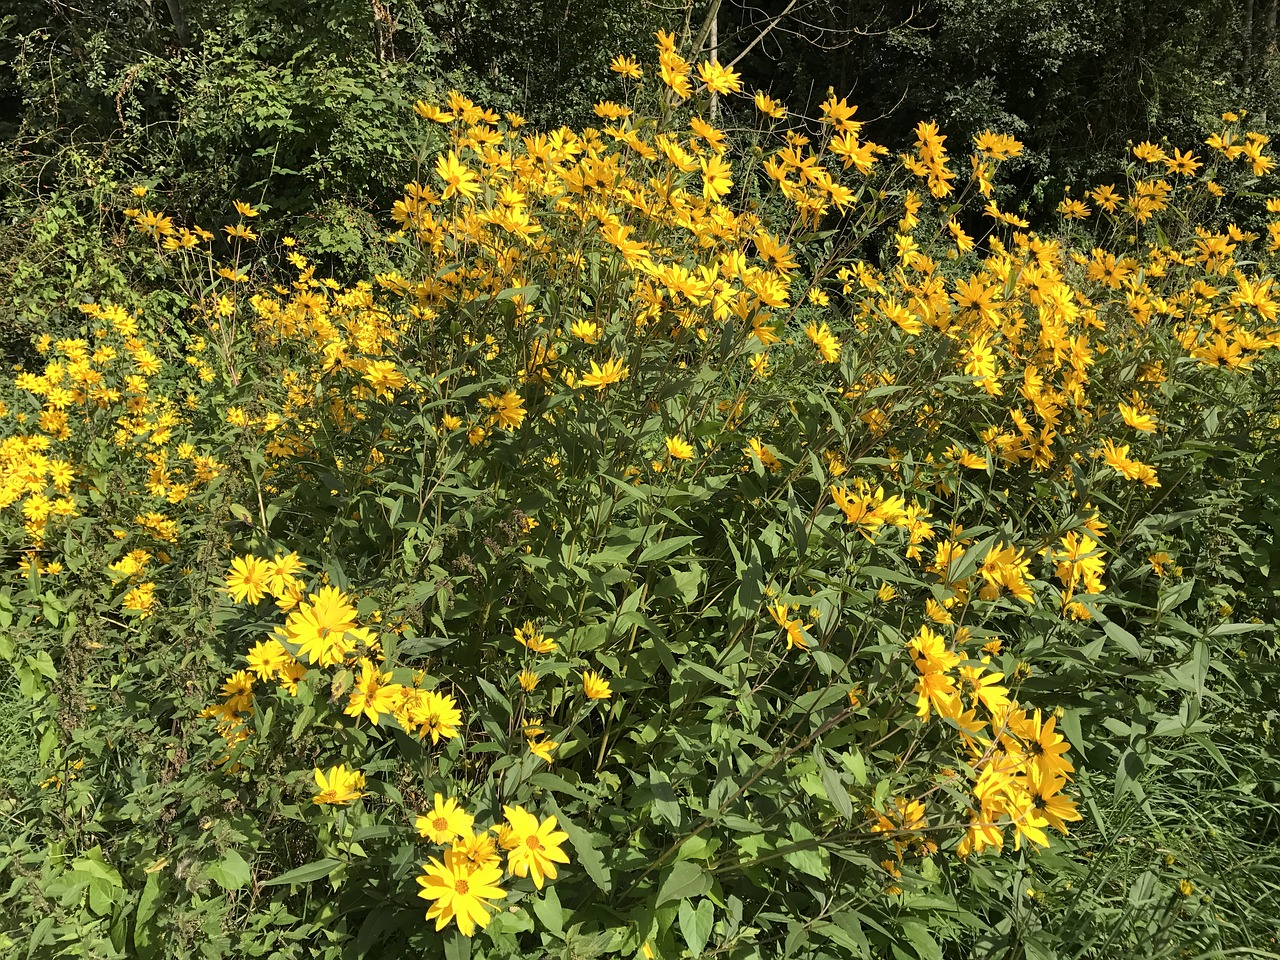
(178, 14)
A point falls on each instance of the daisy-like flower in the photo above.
(248, 578)
(339, 786)
(436, 714)
(719, 78)
(678, 448)
(283, 573)
(537, 846)
(478, 849)
(445, 821)
(460, 891)
(544, 749)
(613, 371)
(373, 693)
(532, 638)
(595, 686)
(324, 628)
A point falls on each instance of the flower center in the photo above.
(533, 843)
(440, 823)
(461, 887)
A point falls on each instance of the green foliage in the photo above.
(752, 555)
(1076, 80)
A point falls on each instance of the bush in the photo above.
(699, 540)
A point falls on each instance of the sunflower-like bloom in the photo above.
(248, 578)
(678, 448)
(339, 786)
(536, 846)
(595, 686)
(460, 891)
(324, 627)
(445, 821)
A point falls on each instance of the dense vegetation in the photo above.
(464, 460)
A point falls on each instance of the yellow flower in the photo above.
(600, 377)
(528, 680)
(436, 714)
(756, 448)
(459, 891)
(544, 748)
(284, 570)
(717, 176)
(1137, 418)
(324, 627)
(140, 600)
(444, 821)
(822, 338)
(478, 849)
(768, 106)
(1184, 163)
(678, 448)
(339, 786)
(533, 639)
(626, 67)
(719, 78)
(373, 694)
(595, 686)
(429, 111)
(508, 409)
(794, 628)
(537, 845)
(248, 578)
(459, 179)
(1149, 152)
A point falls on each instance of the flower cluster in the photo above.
(612, 426)
(463, 885)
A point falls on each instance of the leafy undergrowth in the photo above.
(726, 541)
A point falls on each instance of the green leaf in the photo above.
(807, 857)
(857, 766)
(39, 935)
(305, 873)
(456, 946)
(796, 938)
(834, 786)
(917, 932)
(1128, 770)
(665, 804)
(231, 872)
(547, 909)
(380, 923)
(145, 936)
(1126, 640)
(584, 844)
(684, 880)
(696, 924)
(664, 548)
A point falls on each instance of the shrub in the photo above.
(702, 540)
